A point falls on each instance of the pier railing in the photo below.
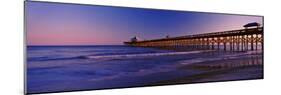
(233, 40)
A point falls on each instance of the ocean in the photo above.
(68, 68)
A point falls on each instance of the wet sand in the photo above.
(221, 70)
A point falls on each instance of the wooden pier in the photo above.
(233, 40)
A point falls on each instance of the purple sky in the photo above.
(69, 24)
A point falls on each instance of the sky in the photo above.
(73, 24)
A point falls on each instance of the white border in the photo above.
(11, 49)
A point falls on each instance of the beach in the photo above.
(68, 68)
(246, 69)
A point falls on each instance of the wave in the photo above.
(142, 55)
(222, 57)
(151, 54)
(113, 56)
(52, 59)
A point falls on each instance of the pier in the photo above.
(249, 38)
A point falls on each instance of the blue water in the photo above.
(66, 68)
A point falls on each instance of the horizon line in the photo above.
(77, 45)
